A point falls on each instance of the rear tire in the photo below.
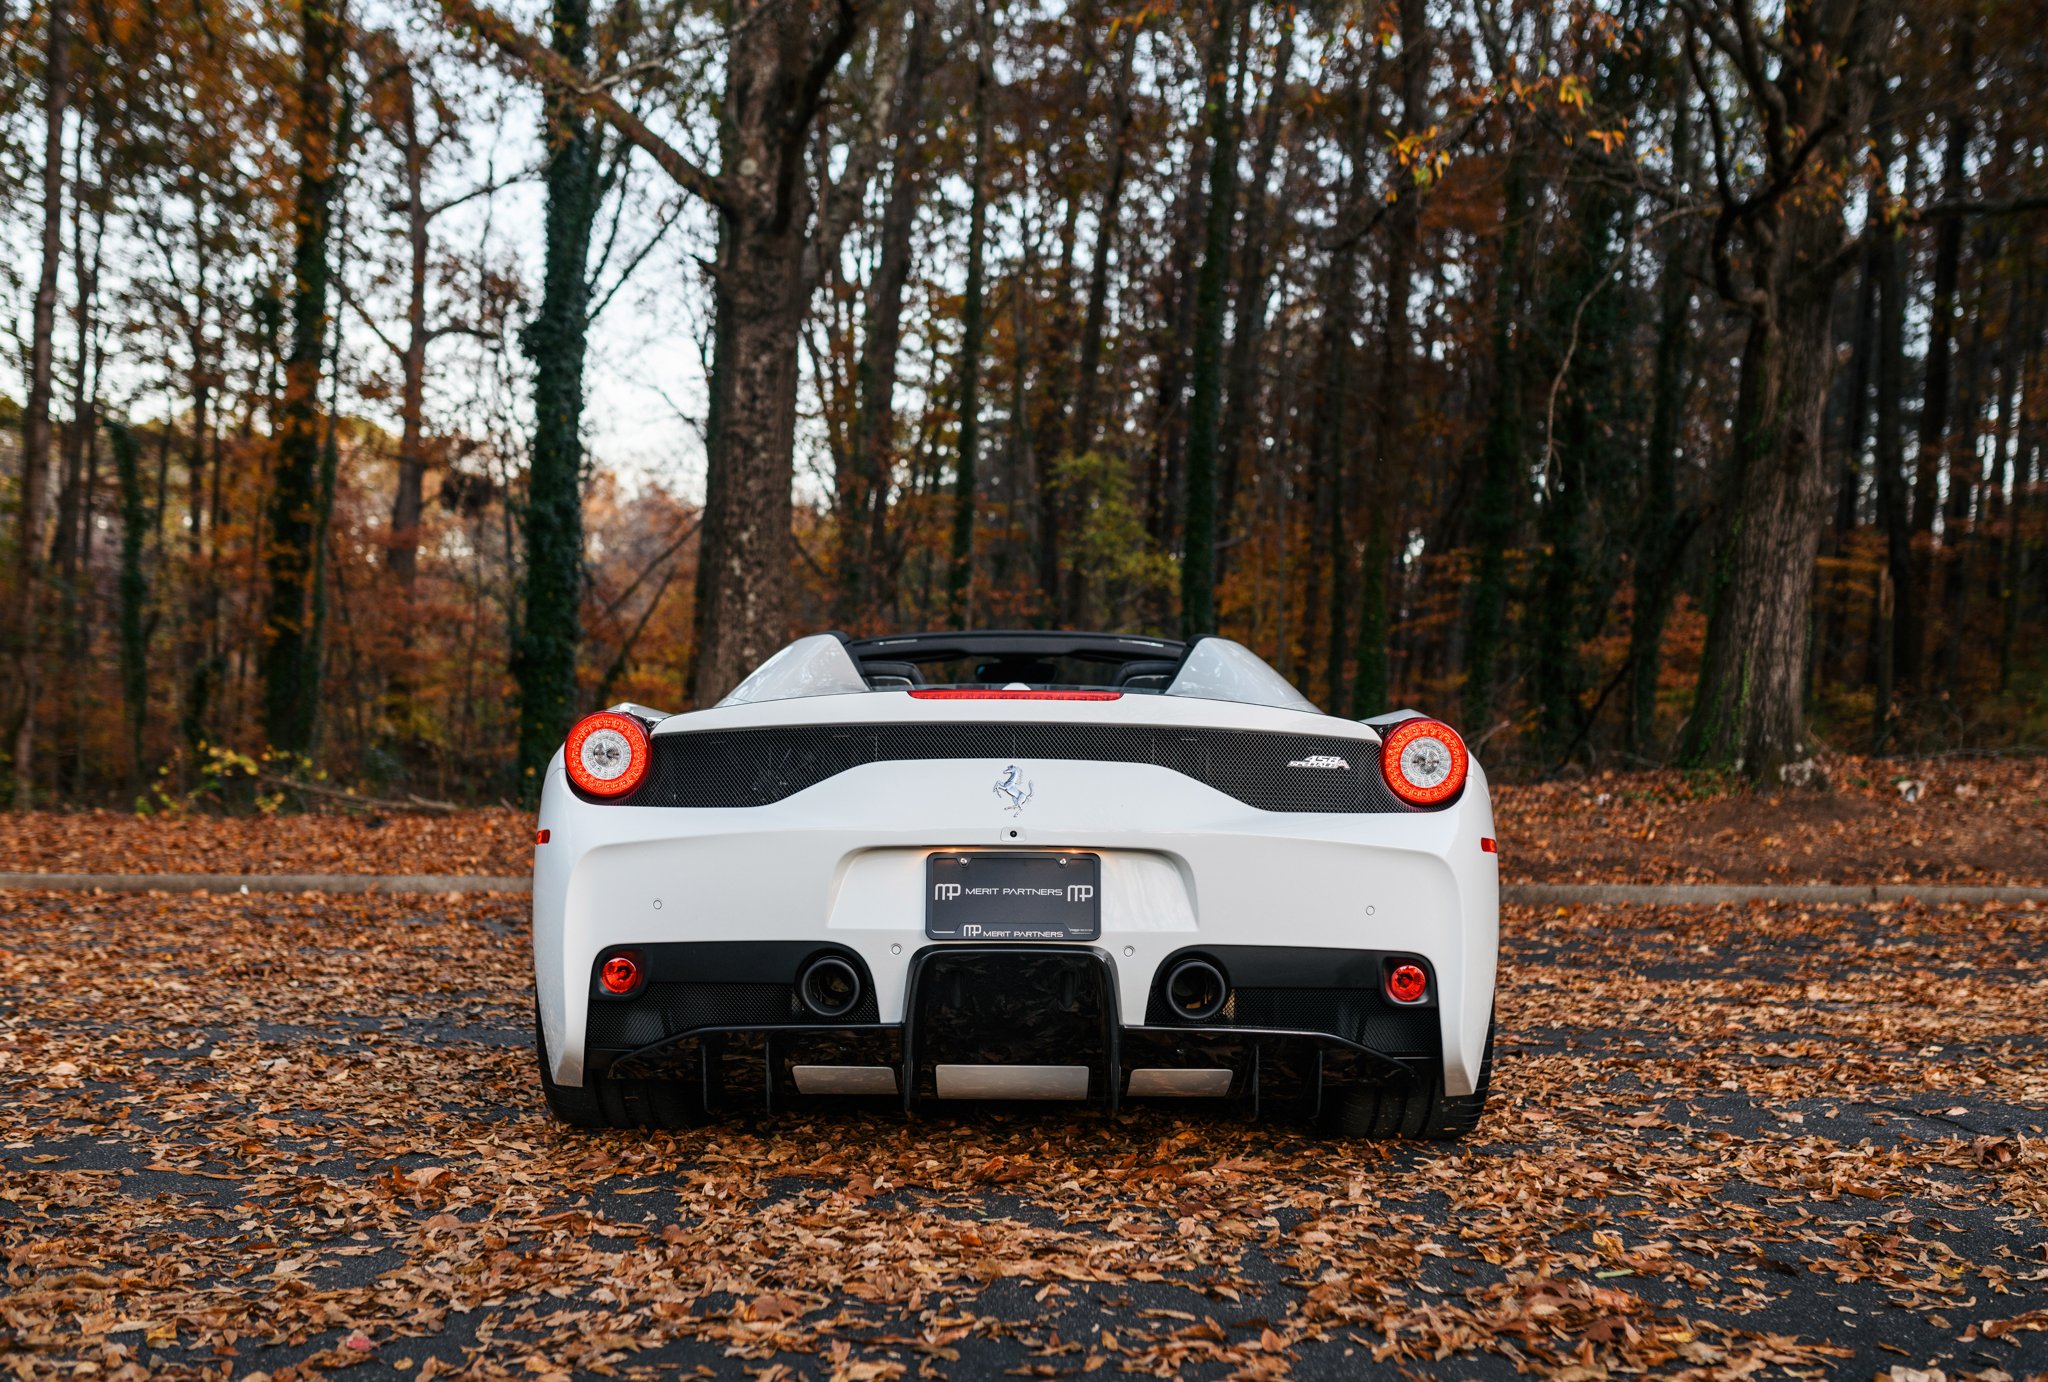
(604, 1103)
(1419, 1111)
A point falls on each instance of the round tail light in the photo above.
(1424, 762)
(1407, 984)
(607, 754)
(620, 974)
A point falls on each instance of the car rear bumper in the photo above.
(1010, 1021)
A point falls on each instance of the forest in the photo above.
(1630, 383)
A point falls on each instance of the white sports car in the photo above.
(1016, 865)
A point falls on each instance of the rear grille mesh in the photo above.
(758, 767)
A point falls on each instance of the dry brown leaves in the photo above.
(1881, 821)
(288, 1136)
(484, 841)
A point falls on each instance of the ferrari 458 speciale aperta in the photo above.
(1016, 865)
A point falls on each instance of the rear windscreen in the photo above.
(1038, 673)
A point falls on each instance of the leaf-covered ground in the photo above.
(291, 1135)
(1959, 821)
(1880, 821)
(484, 841)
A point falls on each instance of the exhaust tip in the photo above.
(1197, 990)
(829, 986)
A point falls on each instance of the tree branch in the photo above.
(543, 64)
(349, 298)
(1966, 206)
(482, 189)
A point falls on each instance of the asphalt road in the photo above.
(290, 1135)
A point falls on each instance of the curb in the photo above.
(268, 882)
(1514, 894)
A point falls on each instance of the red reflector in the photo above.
(621, 974)
(540, 837)
(1000, 695)
(1407, 983)
(1487, 845)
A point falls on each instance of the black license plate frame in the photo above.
(1013, 895)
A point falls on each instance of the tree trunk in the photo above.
(1171, 333)
(1749, 710)
(1582, 422)
(1898, 619)
(1502, 490)
(551, 524)
(35, 438)
(1936, 400)
(1329, 456)
(864, 521)
(315, 651)
(81, 466)
(1021, 477)
(2011, 564)
(1653, 567)
(1948, 252)
(1393, 458)
(1329, 552)
(1088, 369)
(1248, 319)
(1087, 375)
(133, 596)
(1965, 477)
(289, 701)
(407, 501)
(775, 66)
(1198, 557)
(195, 672)
(960, 574)
(1830, 652)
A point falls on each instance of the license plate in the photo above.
(1013, 895)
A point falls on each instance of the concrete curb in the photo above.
(268, 882)
(1515, 894)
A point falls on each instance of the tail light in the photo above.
(607, 754)
(620, 975)
(1424, 761)
(1407, 984)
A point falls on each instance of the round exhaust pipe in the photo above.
(828, 986)
(1197, 990)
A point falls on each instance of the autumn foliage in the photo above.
(1551, 368)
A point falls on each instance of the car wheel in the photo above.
(602, 1103)
(1418, 1111)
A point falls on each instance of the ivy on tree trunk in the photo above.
(290, 692)
(551, 523)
